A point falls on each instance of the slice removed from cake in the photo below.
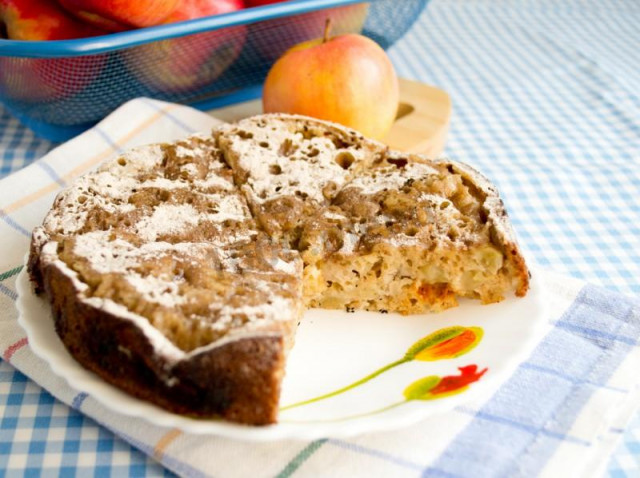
(411, 235)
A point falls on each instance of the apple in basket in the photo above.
(347, 79)
(42, 79)
(190, 62)
(120, 15)
(274, 37)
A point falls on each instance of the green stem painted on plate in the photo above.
(446, 343)
(350, 386)
(432, 387)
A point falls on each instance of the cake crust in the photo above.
(205, 384)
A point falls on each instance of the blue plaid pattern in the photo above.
(18, 145)
(626, 460)
(40, 436)
(546, 101)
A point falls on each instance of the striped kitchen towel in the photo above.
(559, 414)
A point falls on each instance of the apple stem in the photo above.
(327, 30)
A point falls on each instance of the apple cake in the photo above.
(179, 272)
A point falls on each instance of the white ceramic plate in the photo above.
(334, 349)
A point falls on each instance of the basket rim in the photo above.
(131, 38)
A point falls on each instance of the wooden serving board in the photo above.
(421, 126)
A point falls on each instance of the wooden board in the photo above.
(421, 126)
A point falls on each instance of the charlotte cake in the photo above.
(178, 272)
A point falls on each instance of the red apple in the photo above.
(193, 61)
(119, 15)
(190, 9)
(276, 36)
(36, 79)
(41, 20)
(347, 79)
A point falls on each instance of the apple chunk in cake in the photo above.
(411, 235)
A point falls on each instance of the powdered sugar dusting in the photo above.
(167, 219)
(390, 177)
(214, 181)
(333, 215)
(274, 309)
(136, 160)
(155, 289)
(105, 256)
(286, 267)
(280, 161)
(349, 243)
(230, 207)
(188, 153)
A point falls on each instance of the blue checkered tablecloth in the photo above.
(546, 103)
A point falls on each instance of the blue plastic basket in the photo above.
(61, 88)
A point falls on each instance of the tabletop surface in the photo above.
(545, 94)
